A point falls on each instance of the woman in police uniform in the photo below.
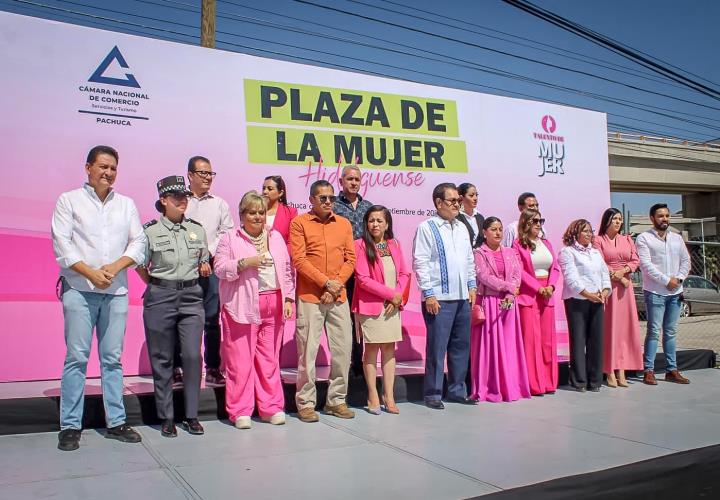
(176, 254)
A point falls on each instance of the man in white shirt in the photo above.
(510, 233)
(96, 236)
(665, 263)
(214, 214)
(445, 268)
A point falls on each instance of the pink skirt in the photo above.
(497, 361)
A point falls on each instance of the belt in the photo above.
(175, 284)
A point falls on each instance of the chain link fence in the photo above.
(699, 325)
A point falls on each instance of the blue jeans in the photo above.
(663, 311)
(448, 332)
(107, 314)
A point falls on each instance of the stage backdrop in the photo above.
(67, 88)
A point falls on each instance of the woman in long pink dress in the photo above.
(497, 361)
(623, 348)
(540, 274)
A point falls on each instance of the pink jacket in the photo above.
(530, 284)
(283, 216)
(370, 291)
(239, 291)
(490, 282)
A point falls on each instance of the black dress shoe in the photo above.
(463, 401)
(594, 389)
(435, 404)
(69, 439)
(123, 433)
(192, 425)
(168, 429)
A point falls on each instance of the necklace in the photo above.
(260, 241)
(382, 249)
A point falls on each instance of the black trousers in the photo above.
(356, 357)
(585, 323)
(171, 318)
(211, 303)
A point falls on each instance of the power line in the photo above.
(614, 46)
(95, 23)
(559, 51)
(502, 52)
(264, 50)
(473, 66)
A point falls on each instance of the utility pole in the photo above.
(207, 24)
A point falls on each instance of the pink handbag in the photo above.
(477, 314)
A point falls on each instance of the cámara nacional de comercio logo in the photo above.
(112, 95)
(552, 147)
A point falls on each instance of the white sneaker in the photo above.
(278, 418)
(243, 423)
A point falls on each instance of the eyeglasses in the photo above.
(588, 231)
(452, 201)
(537, 221)
(204, 173)
(324, 198)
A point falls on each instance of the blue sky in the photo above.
(464, 45)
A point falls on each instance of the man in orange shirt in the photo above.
(323, 254)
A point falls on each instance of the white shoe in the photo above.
(243, 423)
(278, 418)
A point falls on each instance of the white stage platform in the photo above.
(460, 452)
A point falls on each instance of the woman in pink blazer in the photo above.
(257, 289)
(540, 273)
(279, 213)
(497, 361)
(381, 277)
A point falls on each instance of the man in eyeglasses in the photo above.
(526, 201)
(445, 268)
(323, 253)
(214, 214)
(352, 206)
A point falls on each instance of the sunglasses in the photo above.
(537, 221)
(204, 174)
(324, 198)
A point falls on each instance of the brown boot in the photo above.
(675, 377)
(308, 415)
(340, 411)
(649, 378)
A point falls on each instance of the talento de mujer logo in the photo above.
(552, 147)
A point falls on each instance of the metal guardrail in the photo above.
(662, 140)
(699, 325)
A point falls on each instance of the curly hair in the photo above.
(573, 231)
(524, 226)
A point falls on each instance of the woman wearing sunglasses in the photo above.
(540, 272)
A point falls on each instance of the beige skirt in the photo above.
(382, 329)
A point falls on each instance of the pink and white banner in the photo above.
(67, 88)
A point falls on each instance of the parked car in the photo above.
(700, 296)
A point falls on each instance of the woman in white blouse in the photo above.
(586, 287)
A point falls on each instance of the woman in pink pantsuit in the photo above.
(540, 273)
(622, 341)
(497, 361)
(256, 294)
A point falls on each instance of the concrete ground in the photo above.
(456, 453)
